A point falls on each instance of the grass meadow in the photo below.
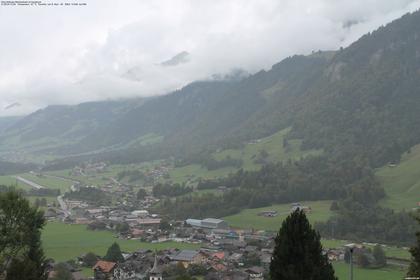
(342, 271)
(249, 217)
(402, 182)
(273, 145)
(11, 181)
(390, 251)
(49, 182)
(64, 241)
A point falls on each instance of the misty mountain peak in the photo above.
(180, 58)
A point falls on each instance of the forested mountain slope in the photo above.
(60, 125)
(6, 122)
(367, 102)
(199, 115)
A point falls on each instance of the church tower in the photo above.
(155, 273)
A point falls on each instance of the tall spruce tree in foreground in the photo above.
(414, 269)
(298, 252)
(21, 254)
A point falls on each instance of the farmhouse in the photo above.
(140, 213)
(298, 206)
(187, 257)
(148, 222)
(82, 221)
(218, 255)
(218, 267)
(255, 273)
(137, 233)
(104, 270)
(270, 213)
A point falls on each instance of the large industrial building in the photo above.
(208, 223)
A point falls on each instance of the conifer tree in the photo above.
(414, 269)
(114, 253)
(20, 238)
(298, 252)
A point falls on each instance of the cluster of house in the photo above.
(137, 220)
(89, 169)
(83, 212)
(160, 171)
(225, 253)
(166, 264)
(225, 258)
(80, 212)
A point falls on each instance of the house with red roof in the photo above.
(104, 270)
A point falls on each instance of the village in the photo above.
(220, 250)
(223, 252)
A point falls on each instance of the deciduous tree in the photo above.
(379, 255)
(61, 272)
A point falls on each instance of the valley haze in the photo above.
(207, 140)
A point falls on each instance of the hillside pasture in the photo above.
(402, 181)
(249, 218)
(273, 145)
(193, 172)
(390, 251)
(249, 153)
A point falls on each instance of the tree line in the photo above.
(312, 178)
(92, 195)
(369, 223)
(171, 190)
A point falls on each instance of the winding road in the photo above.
(60, 200)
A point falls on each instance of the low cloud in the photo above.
(111, 49)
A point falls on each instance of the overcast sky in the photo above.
(115, 48)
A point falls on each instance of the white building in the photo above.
(208, 223)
